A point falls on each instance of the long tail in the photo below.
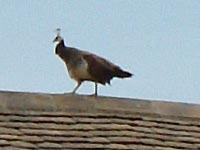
(122, 74)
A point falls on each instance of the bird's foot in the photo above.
(95, 95)
(71, 93)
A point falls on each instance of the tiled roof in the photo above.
(31, 121)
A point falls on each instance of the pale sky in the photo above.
(158, 41)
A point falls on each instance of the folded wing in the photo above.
(102, 70)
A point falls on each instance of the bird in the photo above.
(85, 66)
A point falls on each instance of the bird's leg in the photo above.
(95, 93)
(77, 86)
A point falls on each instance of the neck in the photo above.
(60, 46)
(61, 43)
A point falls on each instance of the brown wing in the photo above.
(100, 69)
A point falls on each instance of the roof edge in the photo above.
(25, 101)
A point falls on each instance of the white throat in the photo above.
(56, 43)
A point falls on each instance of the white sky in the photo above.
(158, 41)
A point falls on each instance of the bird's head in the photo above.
(58, 38)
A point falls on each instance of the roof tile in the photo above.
(102, 140)
(83, 145)
(31, 139)
(10, 137)
(49, 145)
(22, 144)
(4, 143)
(13, 131)
(116, 147)
(14, 148)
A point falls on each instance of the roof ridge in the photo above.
(43, 102)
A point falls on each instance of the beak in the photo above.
(54, 40)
